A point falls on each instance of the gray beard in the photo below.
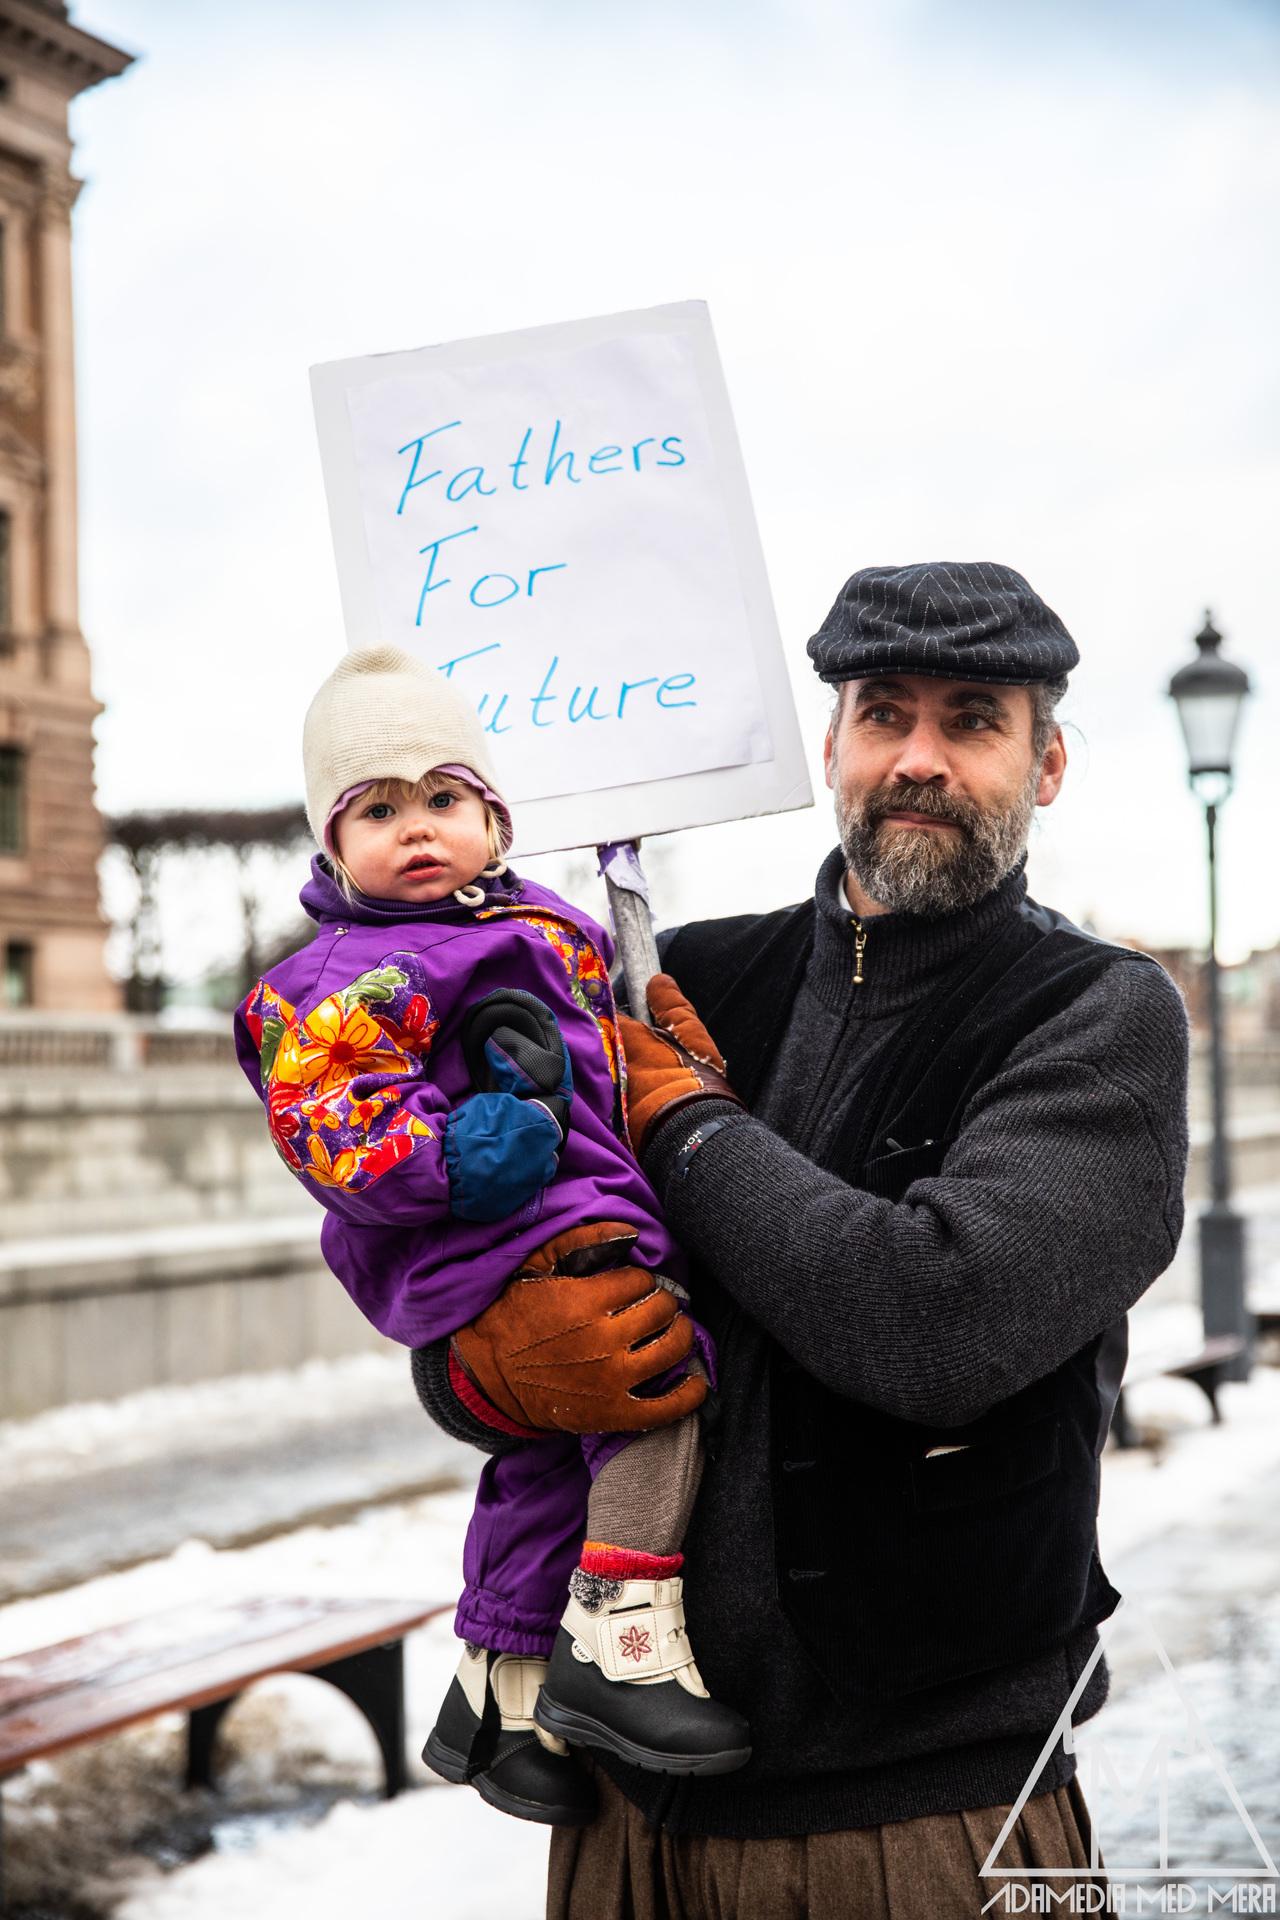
(917, 870)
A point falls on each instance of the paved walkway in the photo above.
(226, 1462)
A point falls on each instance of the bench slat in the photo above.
(1217, 1349)
(54, 1697)
(113, 1655)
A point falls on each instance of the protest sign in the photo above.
(559, 520)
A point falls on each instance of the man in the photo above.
(958, 1164)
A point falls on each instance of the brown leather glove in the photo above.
(670, 1064)
(568, 1341)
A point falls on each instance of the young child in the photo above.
(440, 1067)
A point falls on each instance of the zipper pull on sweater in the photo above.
(859, 944)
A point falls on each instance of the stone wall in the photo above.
(149, 1235)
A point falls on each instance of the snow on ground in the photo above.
(432, 1854)
(1148, 1489)
(287, 1829)
(163, 1419)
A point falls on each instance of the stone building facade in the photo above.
(52, 929)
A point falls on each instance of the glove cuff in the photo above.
(477, 1403)
(650, 1117)
(433, 1385)
(466, 1390)
(682, 1118)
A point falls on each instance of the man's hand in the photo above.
(567, 1343)
(670, 1064)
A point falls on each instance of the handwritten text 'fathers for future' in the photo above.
(544, 458)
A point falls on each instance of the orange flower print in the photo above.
(330, 1173)
(378, 1027)
(363, 1113)
(336, 1043)
(286, 1065)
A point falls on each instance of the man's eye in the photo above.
(972, 721)
(880, 713)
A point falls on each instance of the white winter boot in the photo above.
(623, 1678)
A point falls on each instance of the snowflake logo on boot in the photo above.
(634, 1643)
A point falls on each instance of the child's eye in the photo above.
(441, 800)
(380, 808)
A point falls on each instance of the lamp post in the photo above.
(1209, 695)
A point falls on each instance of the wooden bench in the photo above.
(1206, 1368)
(198, 1660)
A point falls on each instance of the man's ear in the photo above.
(1052, 769)
(829, 747)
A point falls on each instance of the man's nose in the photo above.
(923, 758)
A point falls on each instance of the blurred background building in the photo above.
(52, 928)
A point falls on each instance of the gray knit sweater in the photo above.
(1056, 1207)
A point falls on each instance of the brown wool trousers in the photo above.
(619, 1868)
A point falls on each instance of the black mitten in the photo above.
(512, 1043)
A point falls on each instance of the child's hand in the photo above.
(503, 1145)
(512, 1043)
(500, 1151)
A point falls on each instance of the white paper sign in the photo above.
(559, 521)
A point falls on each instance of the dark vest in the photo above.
(900, 1567)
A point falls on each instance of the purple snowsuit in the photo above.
(353, 1045)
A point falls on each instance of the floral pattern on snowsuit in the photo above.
(330, 1081)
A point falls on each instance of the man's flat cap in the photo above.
(958, 619)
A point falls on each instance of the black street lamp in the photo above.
(1209, 695)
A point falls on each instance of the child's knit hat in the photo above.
(383, 715)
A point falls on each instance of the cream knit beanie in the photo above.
(383, 715)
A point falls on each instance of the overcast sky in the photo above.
(991, 281)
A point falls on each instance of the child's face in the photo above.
(408, 848)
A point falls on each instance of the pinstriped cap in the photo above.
(958, 619)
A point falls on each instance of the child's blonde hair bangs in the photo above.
(431, 783)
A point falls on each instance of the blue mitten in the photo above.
(503, 1145)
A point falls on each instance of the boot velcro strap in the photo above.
(516, 1680)
(643, 1642)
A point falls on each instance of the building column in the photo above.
(66, 658)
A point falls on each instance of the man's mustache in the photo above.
(906, 798)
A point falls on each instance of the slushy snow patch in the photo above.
(441, 1853)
